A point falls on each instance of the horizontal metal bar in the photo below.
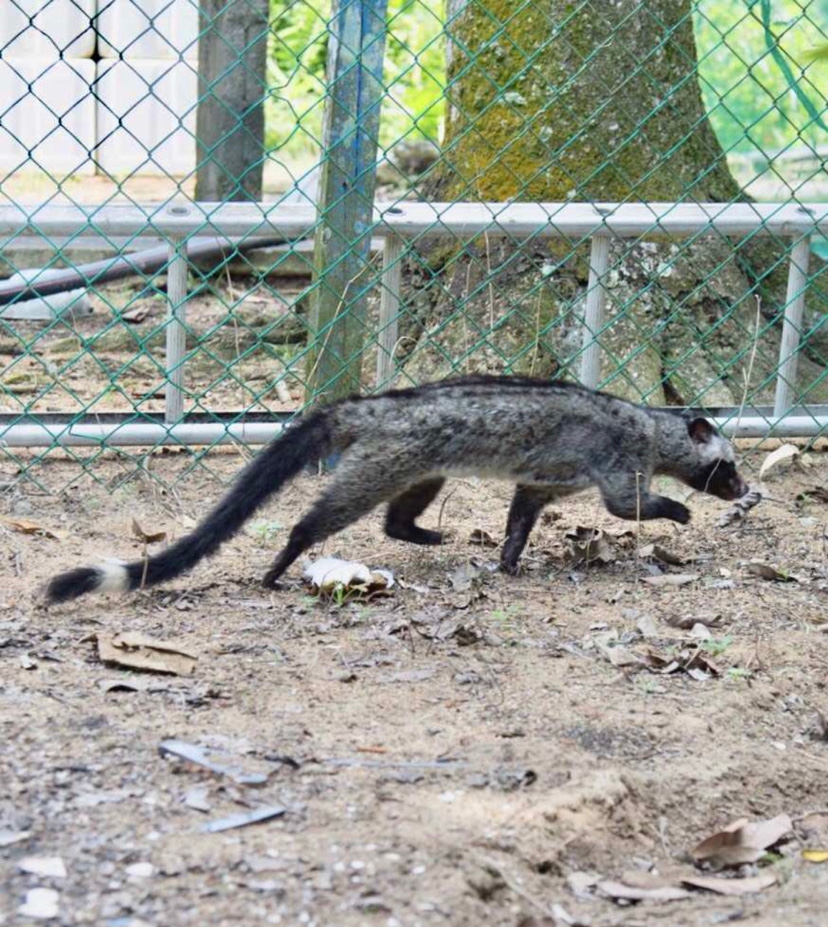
(626, 220)
(460, 220)
(138, 434)
(134, 434)
(791, 426)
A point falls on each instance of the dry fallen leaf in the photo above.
(23, 526)
(748, 886)
(766, 571)
(620, 892)
(815, 856)
(142, 535)
(785, 452)
(136, 651)
(482, 538)
(766, 833)
(742, 841)
(135, 316)
(693, 661)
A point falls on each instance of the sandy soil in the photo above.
(461, 751)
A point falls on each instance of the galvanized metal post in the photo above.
(792, 328)
(346, 198)
(176, 330)
(389, 309)
(596, 298)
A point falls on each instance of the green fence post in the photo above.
(346, 198)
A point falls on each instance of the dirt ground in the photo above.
(471, 749)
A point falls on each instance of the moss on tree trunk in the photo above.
(558, 101)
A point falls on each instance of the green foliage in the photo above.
(415, 69)
(761, 86)
(762, 71)
(414, 73)
(266, 532)
(296, 75)
(716, 646)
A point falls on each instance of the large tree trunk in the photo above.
(554, 101)
(232, 59)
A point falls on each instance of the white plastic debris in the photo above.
(40, 904)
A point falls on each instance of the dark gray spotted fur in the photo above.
(552, 439)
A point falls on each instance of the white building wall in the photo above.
(132, 111)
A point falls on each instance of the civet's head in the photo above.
(715, 469)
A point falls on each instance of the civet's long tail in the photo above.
(280, 461)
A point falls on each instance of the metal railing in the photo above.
(394, 229)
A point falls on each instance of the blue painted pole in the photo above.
(342, 270)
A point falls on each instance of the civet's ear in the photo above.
(700, 430)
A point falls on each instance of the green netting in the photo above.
(322, 109)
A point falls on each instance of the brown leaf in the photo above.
(482, 538)
(142, 535)
(23, 526)
(766, 571)
(698, 659)
(136, 315)
(137, 651)
(748, 886)
(765, 834)
(726, 837)
(694, 662)
(742, 841)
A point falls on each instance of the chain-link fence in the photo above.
(214, 214)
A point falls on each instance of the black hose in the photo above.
(139, 263)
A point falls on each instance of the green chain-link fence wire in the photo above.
(668, 100)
